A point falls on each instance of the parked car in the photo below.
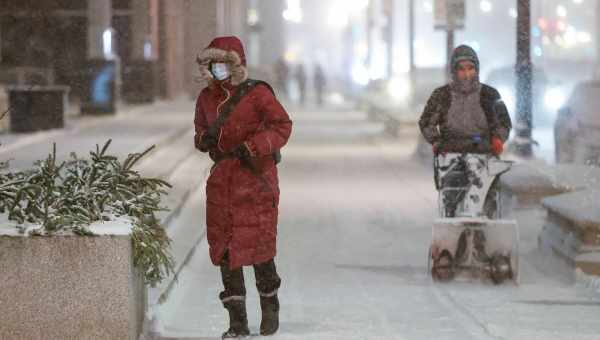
(577, 126)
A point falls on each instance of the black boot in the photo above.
(238, 320)
(270, 314)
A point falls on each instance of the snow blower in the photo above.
(470, 240)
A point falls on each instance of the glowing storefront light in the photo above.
(428, 7)
(360, 74)
(338, 14)
(252, 17)
(147, 48)
(356, 6)
(293, 13)
(561, 11)
(337, 19)
(584, 37)
(341, 11)
(570, 37)
(485, 6)
(107, 47)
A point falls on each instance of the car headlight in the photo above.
(554, 99)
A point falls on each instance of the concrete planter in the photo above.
(527, 184)
(70, 287)
(572, 229)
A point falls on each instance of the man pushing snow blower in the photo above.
(467, 124)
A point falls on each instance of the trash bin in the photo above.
(33, 108)
(99, 91)
(139, 81)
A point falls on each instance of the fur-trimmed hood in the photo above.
(228, 50)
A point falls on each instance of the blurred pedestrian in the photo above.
(300, 76)
(242, 126)
(319, 81)
(282, 73)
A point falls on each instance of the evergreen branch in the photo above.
(134, 158)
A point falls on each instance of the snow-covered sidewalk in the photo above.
(354, 231)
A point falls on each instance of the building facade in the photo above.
(151, 43)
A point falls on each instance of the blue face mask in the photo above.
(220, 71)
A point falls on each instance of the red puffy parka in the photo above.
(241, 203)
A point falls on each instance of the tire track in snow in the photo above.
(467, 320)
(472, 327)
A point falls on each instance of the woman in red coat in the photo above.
(242, 192)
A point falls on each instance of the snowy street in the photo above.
(354, 231)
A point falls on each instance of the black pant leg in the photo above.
(233, 281)
(267, 280)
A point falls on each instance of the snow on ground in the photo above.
(132, 130)
(116, 226)
(354, 231)
(355, 226)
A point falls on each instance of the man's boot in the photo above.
(269, 305)
(238, 320)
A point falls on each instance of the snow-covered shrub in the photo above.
(68, 197)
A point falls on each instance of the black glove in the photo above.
(206, 142)
(242, 152)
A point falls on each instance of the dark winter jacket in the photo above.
(460, 120)
(241, 203)
(436, 128)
